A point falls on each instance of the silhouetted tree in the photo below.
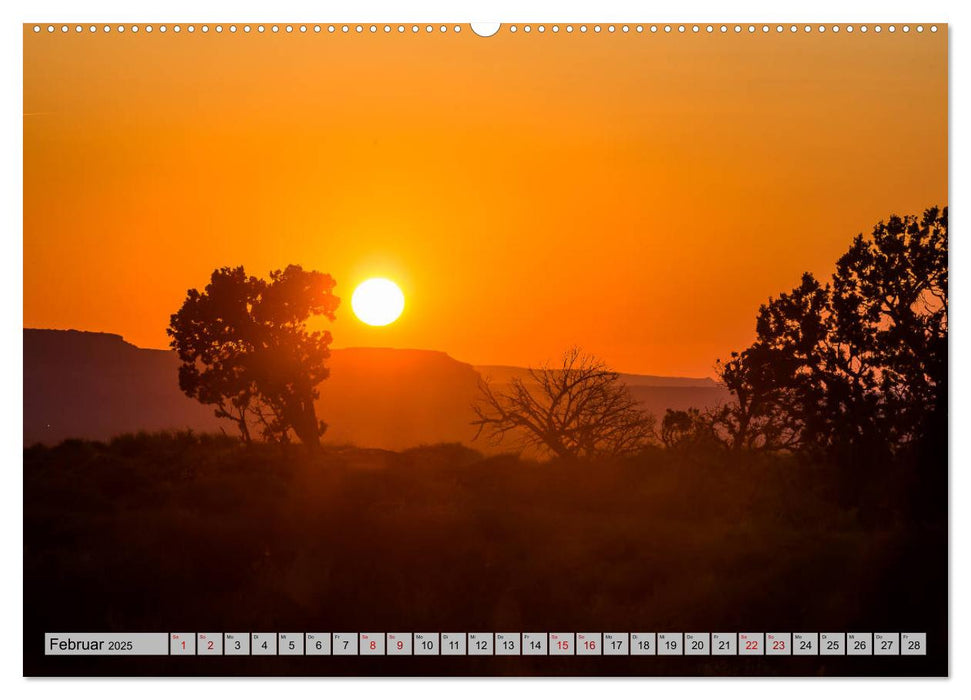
(246, 350)
(756, 419)
(857, 366)
(579, 409)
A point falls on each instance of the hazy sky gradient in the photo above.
(637, 194)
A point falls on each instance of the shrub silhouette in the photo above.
(246, 350)
(689, 428)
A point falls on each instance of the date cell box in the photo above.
(481, 644)
(182, 644)
(344, 644)
(562, 644)
(453, 644)
(291, 643)
(670, 644)
(371, 644)
(236, 644)
(778, 644)
(535, 644)
(264, 643)
(913, 643)
(832, 643)
(399, 643)
(426, 643)
(589, 644)
(508, 644)
(209, 643)
(724, 643)
(886, 643)
(318, 644)
(859, 644)
(616, 644)
(697, 644)
(643, 643)
(805, 644)
(751, 643)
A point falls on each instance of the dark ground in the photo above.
(160, 533)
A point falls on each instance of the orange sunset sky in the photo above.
(638, 194)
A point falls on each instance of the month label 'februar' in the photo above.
(107, 644)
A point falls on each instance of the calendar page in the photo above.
(485, 349)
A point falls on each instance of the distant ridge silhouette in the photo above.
(505, 373)
(81, 384)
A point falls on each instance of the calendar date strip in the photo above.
(487, 644)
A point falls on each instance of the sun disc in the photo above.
(377, 301)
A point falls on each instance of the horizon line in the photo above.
(386, 347)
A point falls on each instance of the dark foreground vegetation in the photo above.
(182, 532)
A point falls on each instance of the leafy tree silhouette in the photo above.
(246, 350)
(579, 409)
(857, 366)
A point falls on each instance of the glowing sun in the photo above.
(377, 301)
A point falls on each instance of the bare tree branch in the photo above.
(579, 409)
